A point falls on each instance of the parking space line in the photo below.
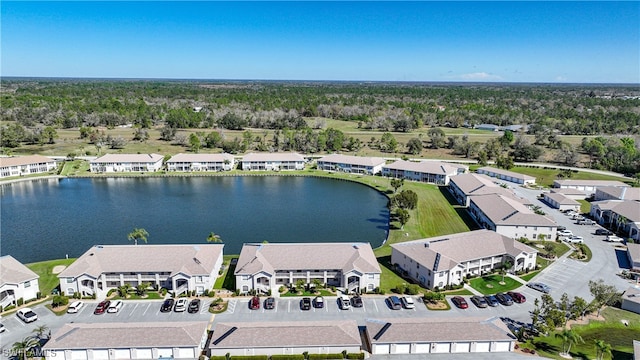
(289, 306)
(146, 309)
(375, 304)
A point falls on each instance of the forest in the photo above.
(409, 118)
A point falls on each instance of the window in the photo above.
(245, 277)
(198, 279)
(69, 280)
(372, 276)
(27, 284)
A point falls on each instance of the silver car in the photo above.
(540, 287)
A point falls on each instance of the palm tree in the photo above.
(138, 234)
(503, 269)
(22, 348)
(141, 289)
(124, 290)
(602, 348)
(40, 330)
(214, 238)
(569, 337)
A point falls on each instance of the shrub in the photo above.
(1, 309)
(412, 289)
(38, 295)
(249, 357)
(20, 301)
(282, 289)
(355, 356)
(59, 300)
(213, 357)
(110, 292)
(30, 300)
(206, 292)
(399, 289)
(287, 357)
(325, 356)
(163, 291)
(10, 307)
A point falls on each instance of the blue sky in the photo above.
(583, 42)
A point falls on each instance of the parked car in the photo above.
(407, 302)
(394, 302)
(561, 228)
(585, 222)
(27, 315)
(460, 302)
(270, 303)
(575, 239)
(356, 301)
(344, 302)
(564, 233)
(102, 307)
(181, 305)
(613, 238)
(194, 306)
(305, 303)
(318, 302)
(540, 287)
(479, 301)
(115, 306)
(517, 297)
(167, 305)
(504, 299)
(492, 300)
(254, 303)
(75, 307)
(2, 328)
(602, 231)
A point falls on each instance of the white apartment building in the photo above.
(273, 161)
(127, 163)
(434, 172)
(16, 282)
(351, 164)
(201, 162)
(25, 165)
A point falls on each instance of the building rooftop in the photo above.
(502, 210)
(23, 160)
(632, 294)
(14, 272)
(427, 167)
(352, 160)
(127, 335)
(512, 174)
(434, 330)
(628, 209)
(272, 157)
(559, 183)
(296, 256)
(479, 184)
(201, 158)
(128, 158)
(461, 247)
(568, 191)
(189, 259)
(561, 199)
(621, 193)
(634, 252)
(246, 335)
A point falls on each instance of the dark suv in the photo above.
(270, 303)
(194, 306)
(102, 307)
(305, 303)
(167, 305)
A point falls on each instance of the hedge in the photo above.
(213, 357)
(249, 357)
(287, 357)
(355, 356)
(325, 356)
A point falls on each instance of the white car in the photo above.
(575, 239)
(613, 238)
(115, 306)
(407, 302)
(565, 233)
(74, 307)
(27, 315)
(181, 305)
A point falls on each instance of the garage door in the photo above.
(143, 353)
(502, 346)
(100, 354)
(461, 347)
(402, 349)
(78, 354)
(442, 348)
(380, 349)
(422, 348)
(122, 354)
(482, 346)
(165, 353)
(186, 353)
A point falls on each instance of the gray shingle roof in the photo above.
(189, 259)
(479, 184)
(127, 335)
(272, 157)
(503, 210)
(128, 158)
(634, 251)
(201, 158)
(568, 191)
(23, 160)
(559, 183)
(628, 209)
(632, 294)
(14, 272)
(286, 334)
(561, 199)
(435, 330)
(622, 193)
(352, 160)
(506, 173)
(461, 247)
(427, 167)
(329, 256)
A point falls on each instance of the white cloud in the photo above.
(480, 76)
(561, 78)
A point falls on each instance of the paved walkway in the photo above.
(474, 291)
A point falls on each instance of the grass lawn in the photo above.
(529, 276)
(545, 177)
(227, 280)
(321, 292)
(612, 331)
(458, 292)
(585, 206)
(582, 253)
(48, 280)
(491, 284)
(151, 295)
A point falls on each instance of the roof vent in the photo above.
(229, 332)
(91, 254)
(196, 261)
(382, 331)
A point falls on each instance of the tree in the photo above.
(414, 146)
(603, 294)
(388, 143)
(507, 138)
(407, 199)
(49, 134)
(579, 307)
(142, 288)
(123, 290)
(214, 238)
(138, 234)
(396, 183)
(504, 268)
(300, 285)
(24, 347)
(602, 348)
(504, 162)
(403, 217)
(167, 133)
(213, 140)
(40, 331)
(569, 337)
(194, 143)
(437, 138)
(232, 121)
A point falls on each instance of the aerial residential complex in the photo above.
(272, 161)
(434, 172)
(446, 260)
(351, 164)
(620, 215)
(16, 282)
(267, 267)
(127, 163)
(506, 175)
(201, 162)
(588, 186)
(465, 186)
(178, 268)
(25, 165)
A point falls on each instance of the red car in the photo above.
(102, 307)
(517, 297)
(254, 303)
(460, 302)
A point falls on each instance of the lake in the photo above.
(50, 219)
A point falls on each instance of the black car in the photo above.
(305, 303)
(167, 305)
(504, 299)
(270, 303)
(194, 306)
(561, 228)
(356, 301)
(318, 302)
(603, 232)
